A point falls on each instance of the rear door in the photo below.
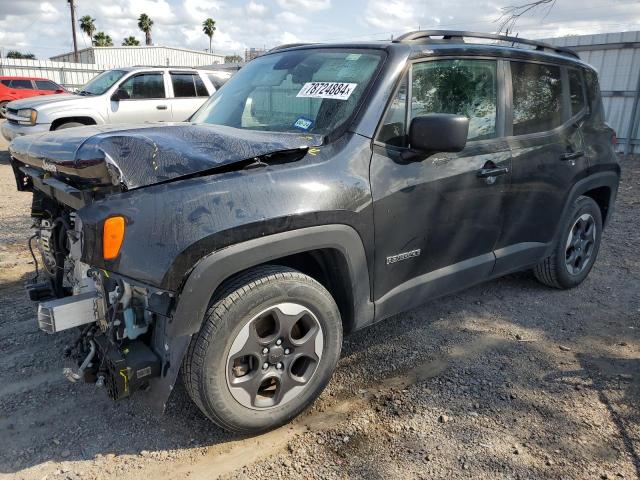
(189, 93)
(22, 88)
(437, 218)
(145, 100)
(547, 107)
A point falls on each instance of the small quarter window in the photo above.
(393, 130)
(537, 97)
(576, 92)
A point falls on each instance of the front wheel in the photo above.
(576, 249)
(267, 348)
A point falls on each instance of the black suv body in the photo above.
(241, 250)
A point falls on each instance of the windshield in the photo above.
(102, 82)
(312, 90)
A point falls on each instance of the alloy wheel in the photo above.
(580, 244)
(274, 356)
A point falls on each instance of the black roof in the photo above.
(452, 42)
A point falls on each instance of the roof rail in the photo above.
(425, 36)
(288, 45)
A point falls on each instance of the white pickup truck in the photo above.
(124, 95)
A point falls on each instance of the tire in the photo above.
(252, 393)
(576, 248)
(3, 108)
(66, 125)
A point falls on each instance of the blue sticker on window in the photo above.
(303, 123)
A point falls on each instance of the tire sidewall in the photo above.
(581, 206)
(214, 390)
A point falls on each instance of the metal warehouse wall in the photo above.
(69, 75)
(132, 56)
(616, 57)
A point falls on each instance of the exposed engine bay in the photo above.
(115, 347)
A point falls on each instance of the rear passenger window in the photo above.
(576, 92)
(461, 87)
(188, 85)
(6, 83)
(537, 97)
(23, 84)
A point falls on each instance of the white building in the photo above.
(132, 56)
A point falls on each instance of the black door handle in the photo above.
(571, 155)
(161, 107)
(491, 172)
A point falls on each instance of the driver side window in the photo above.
(461, 87)
(144, 86)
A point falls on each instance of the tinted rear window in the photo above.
(537, 97)
(21, 84)
(6, 83)
(188, 85)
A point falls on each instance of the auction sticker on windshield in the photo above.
(335, 90)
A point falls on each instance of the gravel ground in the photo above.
(505, 380)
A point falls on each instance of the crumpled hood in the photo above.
(141, 155)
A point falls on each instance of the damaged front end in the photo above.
(119, 323)
(74, 176)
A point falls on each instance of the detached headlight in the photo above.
(30, 116)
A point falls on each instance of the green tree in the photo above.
(232, 59)
(88, 26)
(145, 23)
(18, 54)
(209, 28)
(130, 41)
(101, 39)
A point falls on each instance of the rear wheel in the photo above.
(267, 348)
(3, 109)
(576, 249)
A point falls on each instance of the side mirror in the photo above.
(438, 132)
(119, 94)
(60, 90)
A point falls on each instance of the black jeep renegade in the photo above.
(322, 189)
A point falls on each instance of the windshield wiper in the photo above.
(84, 92)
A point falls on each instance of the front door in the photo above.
(143, 99)
(437, 218)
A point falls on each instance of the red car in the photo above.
(16, 88)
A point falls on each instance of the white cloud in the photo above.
(292, 18)
(305, 5)
(254, 8)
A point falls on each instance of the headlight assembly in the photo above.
(30, 116)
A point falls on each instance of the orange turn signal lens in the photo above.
(112, 237)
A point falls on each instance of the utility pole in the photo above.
(73, 30)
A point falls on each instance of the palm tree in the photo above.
(101, 39)
(145, 24)
(209, 28)
(130, 41)
(88, 26)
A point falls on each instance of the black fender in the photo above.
(212, 270)
(609, 179)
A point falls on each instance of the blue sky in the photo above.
(42, 26)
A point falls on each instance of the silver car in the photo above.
(124, 95)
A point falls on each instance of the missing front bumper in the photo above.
(64, 313)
